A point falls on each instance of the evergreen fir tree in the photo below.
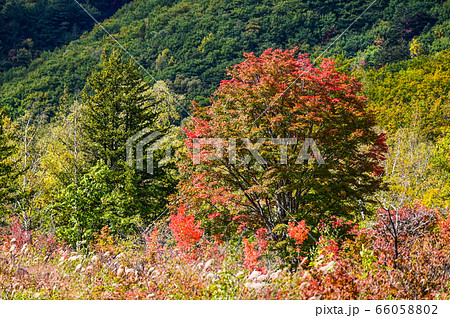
(117, 104)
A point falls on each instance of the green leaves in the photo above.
(98, 199)
(117, 103)
(8, 169)
(199, 40)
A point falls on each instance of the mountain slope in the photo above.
(29, 27)
(190, 43)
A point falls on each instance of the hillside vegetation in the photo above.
(190, 43)
(246, 150)
(30, 27)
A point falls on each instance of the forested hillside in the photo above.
(225, 149)
(190, 43)
(30, 27)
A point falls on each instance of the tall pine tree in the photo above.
(117, 104)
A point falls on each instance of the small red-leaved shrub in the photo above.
(185, 229)
(298, 232)
(254, 251)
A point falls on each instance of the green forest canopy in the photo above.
(190, 43)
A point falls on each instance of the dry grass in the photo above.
(126, 270)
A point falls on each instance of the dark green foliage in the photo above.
(190, 43)
(117, 104)
(30, 27)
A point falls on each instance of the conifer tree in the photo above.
(117, 104)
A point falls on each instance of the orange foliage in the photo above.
(298, 232)
(185, 230)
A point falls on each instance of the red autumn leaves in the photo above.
(185, 230)
(279, 94)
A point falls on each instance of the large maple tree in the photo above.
(264, 113)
